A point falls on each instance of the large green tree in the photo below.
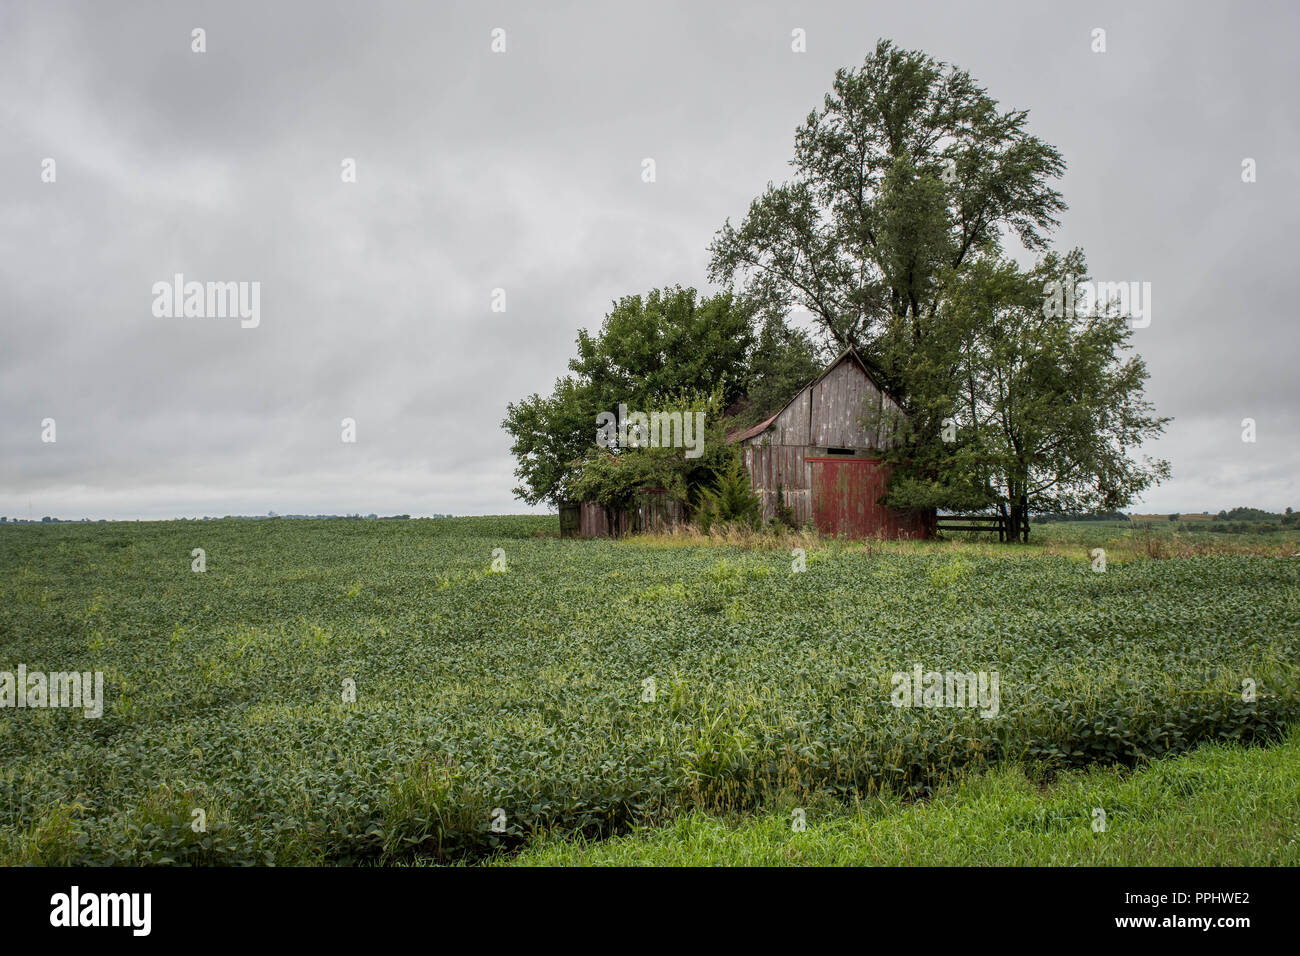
(891, 232)
(666, 342)
(907, 170)
(669, 349)
(1023, 408)
(549, 433)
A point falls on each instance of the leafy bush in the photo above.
(731, 501)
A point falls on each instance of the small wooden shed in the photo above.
(825, 462)
(652, 510)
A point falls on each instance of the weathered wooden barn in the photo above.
(816, 453)
(826, 464)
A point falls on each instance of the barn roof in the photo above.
(850, 354)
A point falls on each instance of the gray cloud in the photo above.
(521, 171)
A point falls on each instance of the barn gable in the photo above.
(828, 411)
(817, 454)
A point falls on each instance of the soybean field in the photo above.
(446, 690)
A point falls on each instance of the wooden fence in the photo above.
(1001, 523)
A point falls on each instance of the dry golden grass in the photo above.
(1136, 544)
(689, 536)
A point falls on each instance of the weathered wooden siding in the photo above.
(829, 413)
(792, 425)
(837, 494)
(653, 511)
(839, 401)
(780, 466)
(596, 521)
(570, 519)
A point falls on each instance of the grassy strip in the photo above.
(1219, 805)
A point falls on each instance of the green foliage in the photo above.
(1046, 411)
(784, 514)
(665, 343)
(890, 234)
(1247, 514)
(782, 362)
(1091, 516)
(549, 434)
(428, 811)
(617, 478)
(907, 170)
(523, 691)
(616, 481)
(1252, 521)
(1160, 538)
(658, 352)
(1244, 527)
(54, 838)
(731, 501)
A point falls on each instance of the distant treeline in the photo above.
(1253, 521)
(1256, 514)
(4, 519)
(1235, 521)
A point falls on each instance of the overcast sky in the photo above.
(477, 170)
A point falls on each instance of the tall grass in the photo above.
(1221, 805)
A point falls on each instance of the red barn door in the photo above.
(845, 495)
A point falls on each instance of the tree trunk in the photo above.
(1016, 518)
(1020, 519)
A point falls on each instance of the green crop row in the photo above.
(350, 691)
